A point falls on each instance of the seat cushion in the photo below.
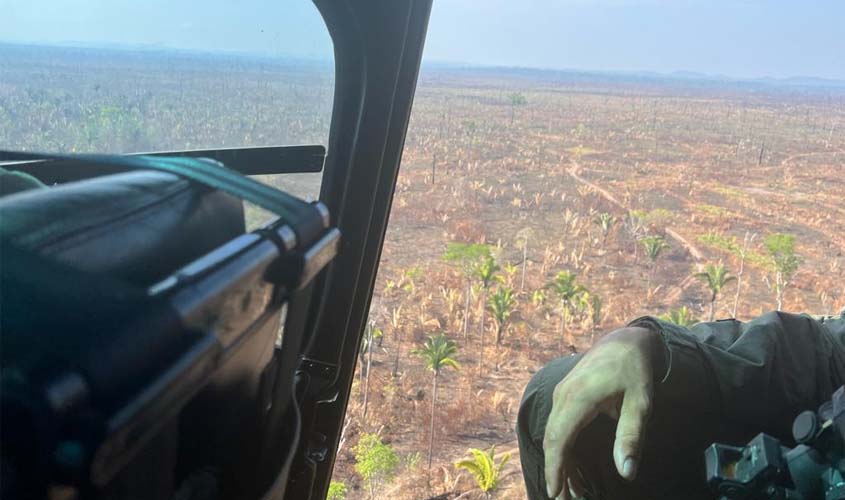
(138, 226)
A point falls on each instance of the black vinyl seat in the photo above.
(137, 226)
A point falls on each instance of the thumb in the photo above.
(629, 433)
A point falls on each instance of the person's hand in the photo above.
(616, 378)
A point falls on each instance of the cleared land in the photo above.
(517, 158)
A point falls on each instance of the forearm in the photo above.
(762, 372)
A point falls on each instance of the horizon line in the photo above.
(683, 74)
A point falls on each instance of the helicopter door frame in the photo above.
(378, 47)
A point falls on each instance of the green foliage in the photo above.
(655, 216)
(713, 210)
(538, 298)
(412, 460)
(407, 280)
(118, 125)
(565, 287)
(732, 245)
(485, 271)
(375, 461)
(654, 246)
(720, 241)
(484, 469)
(730, 192)
(337, 491)
(781, 248)
(438, 352)
(605, 221)
(681, 317)
(102, 101)
(502, 303)
(511, 270)
(376, 334)
(517, 99)
(582, 300)
(568, 291)
(640, 215)
(658, 215)
(466, 255)
(470, 127)
(715, 276)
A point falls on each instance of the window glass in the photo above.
(124, 77)
(604, 154)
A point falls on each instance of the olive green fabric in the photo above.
(725, 381)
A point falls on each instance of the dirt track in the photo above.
(675, 292)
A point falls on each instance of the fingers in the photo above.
(564, 424)
(629, 432)
(576, 484)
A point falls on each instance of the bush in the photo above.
(375, 461)
(337, 491)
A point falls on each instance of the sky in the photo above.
(735, 38)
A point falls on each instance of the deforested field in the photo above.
(535, 211)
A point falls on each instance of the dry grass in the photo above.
(670, 154)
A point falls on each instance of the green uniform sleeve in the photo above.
(760, 373)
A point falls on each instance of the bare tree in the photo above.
(785, 261)
(743, 253)
(372, 332)
(522, 238)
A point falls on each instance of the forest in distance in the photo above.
(534, 212)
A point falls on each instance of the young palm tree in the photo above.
(502, 303)
(485, 272)
(438, 353)
(581, 303)
(538, 298)
(566, 289)
(635, 226)
(467, 257)
(516, 100)
(681, 317)
(484, 469)
(606, 222)
(653, 246)
(715, 276)
(510, 270)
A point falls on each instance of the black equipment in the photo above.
(148, 344)
(765, 469)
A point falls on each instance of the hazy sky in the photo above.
(744, 38)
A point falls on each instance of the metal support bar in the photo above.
(248, 161)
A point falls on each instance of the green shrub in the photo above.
(375, 461)
(337, 491)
